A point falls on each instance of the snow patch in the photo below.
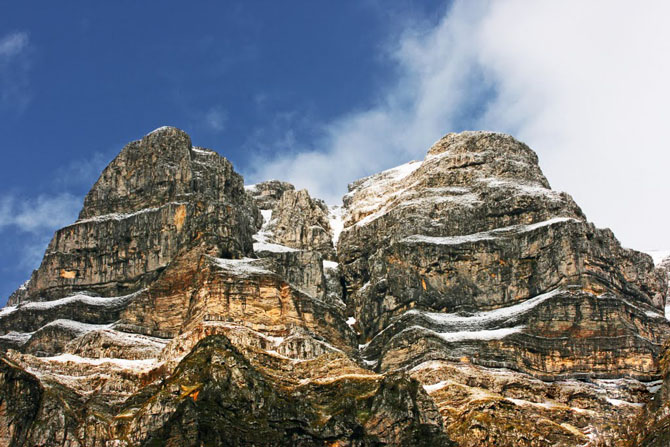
(459, 336)
(480, 319)
(485, 334)
(241, 267)
(547, 405)
(80, 328)
(202, 151)
(144, 364)
(159, 129)
(654, 388)
(484, 235)
(374, 194)
(123, 216)
(534, 189)
(330, 265)
(336, 222)
(261, 242)
(658, 255)
(274, 248)
(7, 310)
(79, 298)
(435, 387)
(619, 402)
(351, 321)
(402, 171)
(17, 337)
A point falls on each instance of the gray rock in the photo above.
(160, 196)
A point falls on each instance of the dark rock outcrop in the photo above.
(217, 397)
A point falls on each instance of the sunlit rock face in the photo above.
(176, 311)
(470, 254)
(157, 198)
(452, 301)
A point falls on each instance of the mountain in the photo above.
(456, 300)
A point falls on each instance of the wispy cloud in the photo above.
(13, 44)
(215, 119)
(31, 222)
(82, 172)
(584, 84)
(14, 68)
(36, 215)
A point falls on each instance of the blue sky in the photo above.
(321, 93)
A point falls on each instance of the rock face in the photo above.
(470, 258)
(296, 220)
(471, 253)
(159, 197)
(453, 301)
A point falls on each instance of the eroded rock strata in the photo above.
(453, 301)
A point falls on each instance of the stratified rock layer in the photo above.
(152, 322)
(471, 306)
(469, 254)
(159, 197)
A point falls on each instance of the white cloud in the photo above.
(83, 172)
(33, 222)
(215, 119)
(583, 83)
(38, 215)
(14, 67)
(13, 44)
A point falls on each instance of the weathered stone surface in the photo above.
(298, 221)
(483, 406)
(296, 236)
(267, 194)
(651, 428)
(663, 269)
(159, 197)
(217, 397)
(470, 254)
(20, 396)
(182, 310)
(293, 219)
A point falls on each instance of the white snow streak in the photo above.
(479, 319)
(484, 235)
(261, 238)
(241, 267)
(336, 222)
(77, 326)
(435, 387)
(121, 216)
(330, 265)
(79, 298)
(144, 364)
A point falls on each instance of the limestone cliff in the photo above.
(453, 301)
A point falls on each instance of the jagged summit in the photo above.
(150, 172)
(184, 309)
(158, 198)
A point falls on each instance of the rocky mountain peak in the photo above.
(495, 154)
(158, 198)
(465, 303)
